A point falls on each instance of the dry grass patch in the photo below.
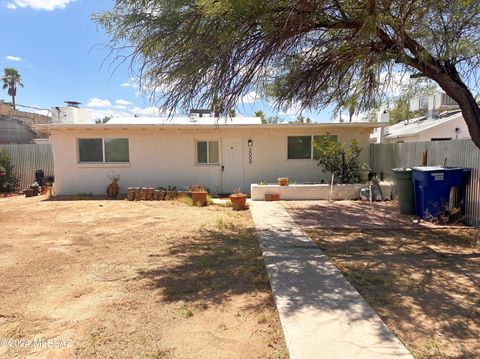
(134, 280)
(424, 283)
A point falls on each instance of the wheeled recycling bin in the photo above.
(432, 187)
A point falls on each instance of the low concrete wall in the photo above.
(315, 191)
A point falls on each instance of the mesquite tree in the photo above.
(307, 53)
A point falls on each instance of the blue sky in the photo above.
(58, 51)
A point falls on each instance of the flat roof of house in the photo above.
(417, 125)
(186, 120)
(202, 123)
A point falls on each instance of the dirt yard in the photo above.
(423, 281)
(118, 279)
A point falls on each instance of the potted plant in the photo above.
(199, 195)
(238, 200)
(282, 181)
(113, 189)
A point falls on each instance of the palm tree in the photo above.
(11, 78)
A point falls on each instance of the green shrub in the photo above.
(343, 163)
(8, 178)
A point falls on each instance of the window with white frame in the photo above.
(306, 147)
(208, 152)
(103, 150)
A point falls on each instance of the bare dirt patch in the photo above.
(132, 280)
(424, 282)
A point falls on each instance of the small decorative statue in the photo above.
(113, 189)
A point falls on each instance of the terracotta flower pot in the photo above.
(282, 181)
(239, 202)
(199, 198)
(275, 197)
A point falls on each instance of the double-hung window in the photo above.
(103, 150)
(306, 147)
(208, 152)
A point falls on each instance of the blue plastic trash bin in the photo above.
(432, 187)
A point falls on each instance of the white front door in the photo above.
(232, 165)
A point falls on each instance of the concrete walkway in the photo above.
(322, 315)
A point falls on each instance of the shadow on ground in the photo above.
(424, 281)
(210, 266)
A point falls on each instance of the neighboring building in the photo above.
(446, 126)
(441, 120)
(13, 131)
(18, 127)
(221, 156)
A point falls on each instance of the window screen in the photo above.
(213, 156)
(90, 150)
(202, 148)
(116, 150)
(299, 147)
(317, 140)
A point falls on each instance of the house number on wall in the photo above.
(250, 156)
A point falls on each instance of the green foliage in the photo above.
(208, 49)
(302, 119)
(307, 53)
(11, 79)
(335, 158)
(348, 103)
(399, 112)
(8, 178)
(267, 120)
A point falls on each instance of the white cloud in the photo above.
(48, 5)
(118, 111)
(147, 111)
(14, 58)
(98, 102)
(123, 103)
(250, 97)
(125, 84)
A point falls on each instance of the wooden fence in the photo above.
(463, 153)
(29, 158)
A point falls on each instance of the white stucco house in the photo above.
(442, 120)
(445, 126)
(221, 155)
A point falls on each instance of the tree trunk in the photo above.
(13, 103)
(458, 91)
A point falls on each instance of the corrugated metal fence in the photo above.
(385, 157)
(29, 158)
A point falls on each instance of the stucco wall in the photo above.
(444, 130)
(14, 131)
(29, 119)
(162, 157)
